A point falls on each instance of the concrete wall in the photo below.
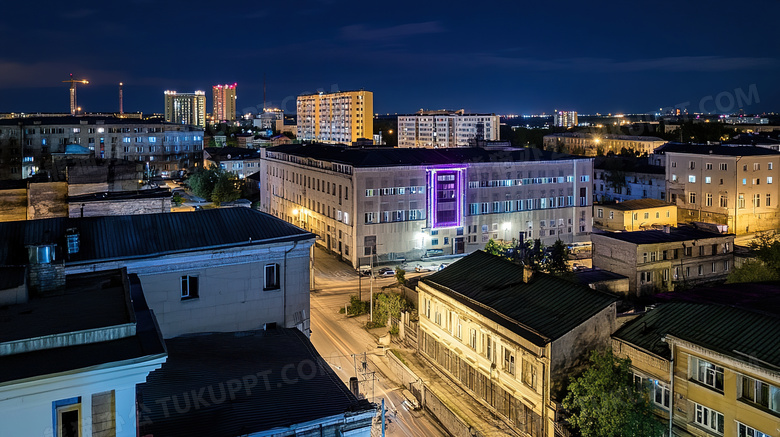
(617, 286)
(47, 200)
(230, 288)
(119, 207)
(13, 205)
(572, 349)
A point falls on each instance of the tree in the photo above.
(227, 188)
(496, 248)
(216, 185)
(400, 276)
(766, 265)
(556, 259)
(605, 402)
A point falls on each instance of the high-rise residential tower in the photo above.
(224, 103)
(186, 108)
(340, 117)
(565, 118)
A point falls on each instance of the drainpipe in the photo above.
(284, 290)
(671, 387)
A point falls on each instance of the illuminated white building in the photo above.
(437, 129)
(186, 108)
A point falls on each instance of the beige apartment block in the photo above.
(727, 185)
(662, 260)
(443, 129)
(590, 144)
(340, 118)
(634, 215)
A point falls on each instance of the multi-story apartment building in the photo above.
(444, 129)
(27, 144)
(619, 179)
(410, 203)
(341, 117)
(186, 108)
(594, 144)
(634, 215)
(224, 109)
(499, 333)
(733, 186)
(711, 368)
(564, 118)
(660, 260)
(239, 161)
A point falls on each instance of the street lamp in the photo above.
(507, 226)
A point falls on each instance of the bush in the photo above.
(356, 306)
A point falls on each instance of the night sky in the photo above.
(483, 56)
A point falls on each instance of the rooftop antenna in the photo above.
(121, 107)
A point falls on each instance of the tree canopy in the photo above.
(605, 402)
(216, 185)
(766, 265)
(533, 253)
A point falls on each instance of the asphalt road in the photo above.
(342, 343)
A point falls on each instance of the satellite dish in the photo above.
(228, 156)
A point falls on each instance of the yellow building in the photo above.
(726, 367)
(634, 215)
(508, 338)
(341, 117)
(224, 108)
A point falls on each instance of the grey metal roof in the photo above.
(91, 300)
(388, 157)
(278, 380)
(147, 235)
(678, 234)
(541, 311)
(736, 332)
(714, 149)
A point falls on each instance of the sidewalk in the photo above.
(463, 405)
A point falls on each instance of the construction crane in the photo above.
(73, 83)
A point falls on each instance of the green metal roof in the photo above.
(739, 333)
(540, 311)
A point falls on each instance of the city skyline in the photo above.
(493, 58)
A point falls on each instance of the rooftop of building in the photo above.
(147, 235)
(592, 276)
(85, 120)
(607, 136)
(636, 204)
(282, 381)
(230, 153)
(154, 193)
(90, 302)
(628, 165)
(389, 157)
(752, 139)
(656, 236)
(334, 92)
(743, 328)
(715, 149)
(541, 311)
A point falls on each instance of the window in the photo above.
(707, 373)
(271, 278)
(600, 213)
(509, 361)
(756, 166)
(691, 178)
(757, 200)
(726, 266)
(724, 201)
(708, 166)
(769, 179)
(611, 215)
(741, 201)
(724, 166)
(103, 413)
(692, 197)
(473, 338)
(189, 287)
(746, 431)
(760, 393)
(67, 420)
(744, 181)
(529, 373)
(691, 165)
(709, 418)
(707, 180)
(647, 215)
(768, 199)
(659, 392)
(708, 199)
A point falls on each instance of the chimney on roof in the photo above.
(528, 274)
(45, 274)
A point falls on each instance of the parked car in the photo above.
(386, 271)
(364, 270)
(422, 268)
(443, 265)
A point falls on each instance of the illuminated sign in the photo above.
(445, 196)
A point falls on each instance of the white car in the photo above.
(386, 271)
(422, 268)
